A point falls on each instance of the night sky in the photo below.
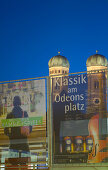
(33, 31)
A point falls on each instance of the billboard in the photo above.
(23, 122)
(79, 109)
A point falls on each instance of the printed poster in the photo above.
(22, 121)
(79, 108)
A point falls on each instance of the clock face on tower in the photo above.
(96, 101)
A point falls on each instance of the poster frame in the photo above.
(64, 165)
(46, 98)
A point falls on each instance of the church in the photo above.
(69, 91)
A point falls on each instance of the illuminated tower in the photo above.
(96, 65)
(58, 68)
(96, 62)
(97, 107)
(58, 65)
(58, 72)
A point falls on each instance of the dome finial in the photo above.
(97, 51)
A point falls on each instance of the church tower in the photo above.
(58, 65)
(58, 70)
(97, 106)
(97, 74)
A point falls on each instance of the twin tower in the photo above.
(60, 65)
(97, 79)
(96, 109)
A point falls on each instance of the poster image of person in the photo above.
(17, 136)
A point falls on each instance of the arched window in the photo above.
(96, 84)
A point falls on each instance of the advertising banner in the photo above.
(79, 108)
(22, 121)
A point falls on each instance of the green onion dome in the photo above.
(96, 60)
(58, 61)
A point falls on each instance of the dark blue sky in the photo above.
(32, 31)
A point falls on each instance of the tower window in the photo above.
(96, 84)
(58, 71)
(63, 71)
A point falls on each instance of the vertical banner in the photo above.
(22, 122)
(79, 108)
